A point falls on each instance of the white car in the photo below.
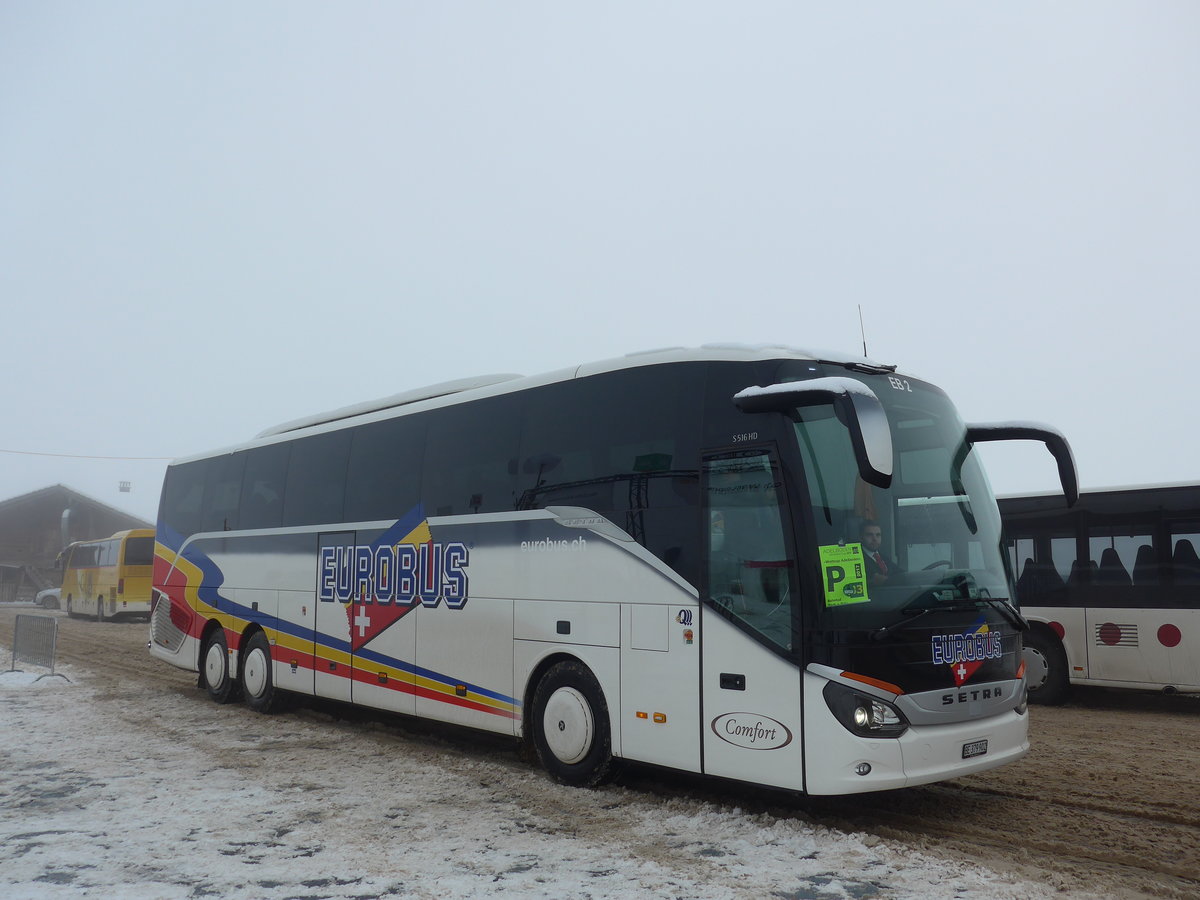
(48, 599)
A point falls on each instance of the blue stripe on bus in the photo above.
(375, 656)
(331, 643)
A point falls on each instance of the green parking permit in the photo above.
(843, 574)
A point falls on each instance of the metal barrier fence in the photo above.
(34, 641)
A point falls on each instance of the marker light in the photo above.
(875, 682)
(1021, 707)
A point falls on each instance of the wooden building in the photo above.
(33, 528)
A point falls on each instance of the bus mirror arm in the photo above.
(1028, 431)
(857, 407)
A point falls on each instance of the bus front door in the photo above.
(751, 691)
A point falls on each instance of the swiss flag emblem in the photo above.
(369, 620)
(964, 669)
(368, 617)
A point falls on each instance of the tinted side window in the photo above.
(83, 556)
(723, 419)
(471, 457)
(1185, 562)
(222, 489)
(563, 448)
(609, 440)
(626, 445)
(183, 494)
(384, 478)
(263, 485)
(139, 551)
(316, 480)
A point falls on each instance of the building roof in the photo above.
(67, 496)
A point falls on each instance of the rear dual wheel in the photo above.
(215, 675)
(258, 686)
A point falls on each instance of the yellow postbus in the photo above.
(109, 578)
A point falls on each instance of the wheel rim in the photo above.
(1037, 668)
(214, 664)
(568, 725)
(254, 678)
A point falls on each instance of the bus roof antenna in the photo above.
(863, 330)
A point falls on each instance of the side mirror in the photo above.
(1031, 431)
(855, 403)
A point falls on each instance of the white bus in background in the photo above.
(654, 558)
(1111, 587)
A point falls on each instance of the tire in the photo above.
(1045, 669)
(258, 685)
(214, 668)
(570, 726)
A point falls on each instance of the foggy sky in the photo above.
(217, 217)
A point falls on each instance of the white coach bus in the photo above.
(1111, 588)
(655, 558)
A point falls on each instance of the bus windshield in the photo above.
(929, 541)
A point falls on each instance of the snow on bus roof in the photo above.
(831, 383)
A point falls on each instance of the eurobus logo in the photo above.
(403, 574)
(966, 652)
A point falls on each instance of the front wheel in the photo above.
(570, 726)
(258, 685)
(214, 667)
(1045, 669)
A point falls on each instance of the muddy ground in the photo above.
(1108, 800)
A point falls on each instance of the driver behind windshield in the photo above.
(879, 567)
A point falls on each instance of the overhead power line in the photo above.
(84, 455)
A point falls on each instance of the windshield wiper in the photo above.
(916, 612)
(912, 613)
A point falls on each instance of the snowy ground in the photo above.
(124, 791)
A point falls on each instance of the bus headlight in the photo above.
(863, 714)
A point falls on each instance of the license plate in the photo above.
(975, 748)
